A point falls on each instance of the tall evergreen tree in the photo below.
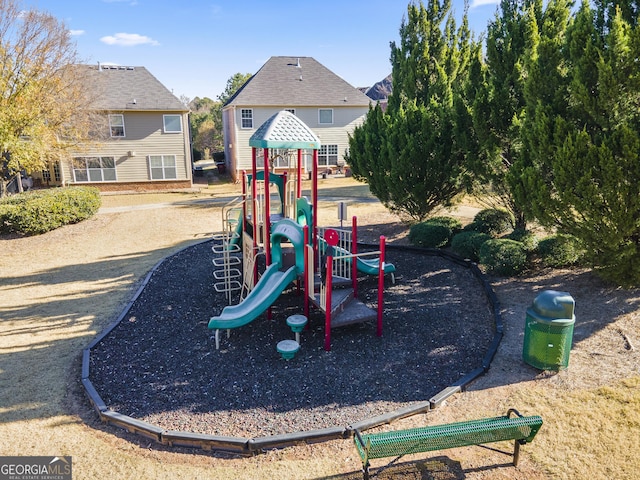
(545, 92)
(585, 181)
(606, 11)
(499, 105)
(420, 162)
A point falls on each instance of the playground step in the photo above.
(354, 312)
(339, 299)
(336, 281)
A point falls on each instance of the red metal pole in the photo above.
(314, 216)
(380, 284)
(299, 180)
(267, 214)
(254, 168)
(354, 251)
(267, 208)
(244, 197)
(327, 314)
(283, 200)
(254, 210)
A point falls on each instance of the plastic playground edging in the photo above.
(253, 446)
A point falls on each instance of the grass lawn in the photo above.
(60, 289)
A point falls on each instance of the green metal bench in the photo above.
(440, 437)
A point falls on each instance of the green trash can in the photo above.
(548, 331)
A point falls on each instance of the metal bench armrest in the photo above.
(514, 411)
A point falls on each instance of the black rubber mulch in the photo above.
(160, 364)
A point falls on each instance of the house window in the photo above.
(94, 169)
(56, 172)
(325, 115)
(280, 158)
(116, 124)
(246, 114)
(162, 167)
(172, 123)
(328, 155)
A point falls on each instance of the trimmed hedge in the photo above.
(501, 256)
(467, 244)
(527, 238)
(40, 211)
(453, 223)
(492, 221)
(560, 250)
(430, 235)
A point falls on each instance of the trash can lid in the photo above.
(553, 304)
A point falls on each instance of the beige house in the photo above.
(146, 143)
(326, 103)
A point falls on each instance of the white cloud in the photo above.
(76, 33)
(480, 3)
(128, 40)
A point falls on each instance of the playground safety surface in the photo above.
(160, 365)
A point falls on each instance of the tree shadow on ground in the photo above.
(435, 468)
(40, 333)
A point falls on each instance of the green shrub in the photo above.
(431, 235)
(493, 221)
(560, 250)
(467, 243)
(453, 223)
(40, 211)
(501, 256)
(527, 238)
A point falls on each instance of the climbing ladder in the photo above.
(225, 249)
(225, 263)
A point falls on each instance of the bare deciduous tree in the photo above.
(44, 105)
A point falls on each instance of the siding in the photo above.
(144, 136)
(345, 119)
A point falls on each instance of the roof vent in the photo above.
(298, 63)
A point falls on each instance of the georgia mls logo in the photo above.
(35, 468)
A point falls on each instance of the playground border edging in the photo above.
(252, 446)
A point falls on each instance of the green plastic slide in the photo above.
(272, 283)
(270, 286)
(368, 266)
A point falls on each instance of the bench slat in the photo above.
(441, 437)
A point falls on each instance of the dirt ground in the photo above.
(59, 290)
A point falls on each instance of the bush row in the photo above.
(40, 211)
(491, 241)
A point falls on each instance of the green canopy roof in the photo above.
(284, 130)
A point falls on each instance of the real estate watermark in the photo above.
(35, 468)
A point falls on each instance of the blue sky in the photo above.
(194, 46)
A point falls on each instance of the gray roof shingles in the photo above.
(116, 88)
(297, 81)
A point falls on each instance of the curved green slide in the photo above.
(272, 283)
(369, 266)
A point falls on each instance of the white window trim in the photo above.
(164, 123)
(322, 110)
(124, 131)
(323, 157)
(164, 177)
(86, 169)
(242, 118)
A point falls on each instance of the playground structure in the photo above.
(274, 220)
